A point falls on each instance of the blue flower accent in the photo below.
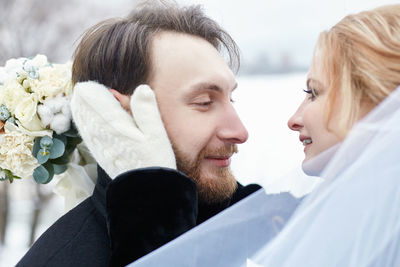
(31, 71)
(11, 120)
(4, 113)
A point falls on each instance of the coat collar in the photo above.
(99, 193)
(205, 210)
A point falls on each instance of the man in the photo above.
(134, 208)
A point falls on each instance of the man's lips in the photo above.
(219, 161)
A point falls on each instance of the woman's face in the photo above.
(309, 119)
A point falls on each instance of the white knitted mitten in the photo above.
(120, 141)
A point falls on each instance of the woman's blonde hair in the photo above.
(361, 62)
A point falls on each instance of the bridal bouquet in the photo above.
(37, 136)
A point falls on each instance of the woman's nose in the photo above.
(295, 122)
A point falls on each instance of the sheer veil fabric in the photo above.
(351, 219)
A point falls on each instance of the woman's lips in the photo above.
(306, 140)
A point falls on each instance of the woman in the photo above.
(356, 65)
(349, 124)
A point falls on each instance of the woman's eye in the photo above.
(312, 94)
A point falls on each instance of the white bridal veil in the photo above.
(352, 219)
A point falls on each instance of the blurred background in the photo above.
(276, 39)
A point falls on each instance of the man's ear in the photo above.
(124, 100)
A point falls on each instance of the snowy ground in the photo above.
(271, 157)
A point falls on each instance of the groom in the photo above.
(140, 201)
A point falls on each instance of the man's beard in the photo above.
(212, 187)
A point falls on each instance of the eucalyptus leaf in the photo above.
(41, 175)
(58, 148)
(58, 169)
(72, 132)
(43, 155)
(36, 146)
(50, 169)
(46, 141)
(44, 173)
(72, 143)
(64, 159)
(61, 137)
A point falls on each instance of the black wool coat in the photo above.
(125, 219)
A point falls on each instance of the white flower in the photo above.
(55, 104)
(65, 71)
(19, 128)
(38, 61)
(60, 123)
(26, 109)
(16, 154)
(11, 94)
(14, 66)
(52, 81)
(56, 112)
(25, 112)
(34, 127)
(45, 113)
(66, 110)
(4, 76)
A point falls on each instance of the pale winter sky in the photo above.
(278, 28)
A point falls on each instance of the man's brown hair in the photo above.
(116, 52)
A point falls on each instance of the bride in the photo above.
(349, 124)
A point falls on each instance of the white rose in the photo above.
(4, 76)
(34, 127)
(11, 94)
(26, 109)
(14, 66)
(65, 71)
(38, 61)
(52, 81)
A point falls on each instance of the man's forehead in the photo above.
(181, 47)
(189, 61)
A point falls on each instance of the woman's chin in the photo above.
(313, 165)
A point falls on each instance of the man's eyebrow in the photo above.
(209, 86)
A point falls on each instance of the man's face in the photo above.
(193, 86)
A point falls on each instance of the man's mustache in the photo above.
(224, 151)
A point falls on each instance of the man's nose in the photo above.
(231, 128)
